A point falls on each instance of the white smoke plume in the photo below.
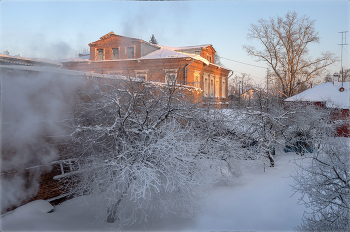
(33, 107)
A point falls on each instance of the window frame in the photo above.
(113, 58)
(206, 84)
(211, 86)
(97, 54)
(223, 87)
(140, 73)
(73, 165)
(169, 72)
(217, 86)
(126, 52)
(197, 79)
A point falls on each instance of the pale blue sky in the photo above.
(60, 29)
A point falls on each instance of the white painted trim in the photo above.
(141, 71)
(223, 87)
(206, 80)
(212, 86)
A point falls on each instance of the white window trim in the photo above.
(212, 87)
(206, 84)
(139, 73)
(126, 51)
(197, 81)
(223, 87)
(70, 164)
(114, 72)
(217, 87)
(168, 72)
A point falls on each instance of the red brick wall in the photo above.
(47, 188)
(115, 41)
(155, 69)
(344, 116)
(208, 51)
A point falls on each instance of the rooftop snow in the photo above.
(326, 92)
(172, 52)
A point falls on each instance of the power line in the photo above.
(242, 62)
(249, 74)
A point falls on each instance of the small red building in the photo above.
(193, 65)
(334, 95)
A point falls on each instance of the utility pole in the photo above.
(343, 42)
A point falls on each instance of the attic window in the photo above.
(115, 55)
(100, 55)
(130, 53)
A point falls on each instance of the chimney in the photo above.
(335, 78)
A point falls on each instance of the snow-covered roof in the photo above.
(30, 61)
(199, 47)
(175, 52)
(63, 71)
(326, 92)
(76, 59)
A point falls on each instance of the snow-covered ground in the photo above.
(260, 201)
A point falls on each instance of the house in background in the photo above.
(333, 95)
(17, 60)
(120, 55)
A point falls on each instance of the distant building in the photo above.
(333, 95)
(192, 65)
(17, 60)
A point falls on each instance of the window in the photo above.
(142, 74)
(223, 86)
(197, 53)
(66, 167)
(130, 53)
(206, 84)
(115, 55)
(170, 76)
(197, 80)
(211, 86)
(217, 87)
(100, 55)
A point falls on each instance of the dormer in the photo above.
(206, 51)
(116, 47)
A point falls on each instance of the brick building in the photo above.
(193, 65)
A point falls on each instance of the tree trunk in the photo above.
(272, 161)
(112, 211)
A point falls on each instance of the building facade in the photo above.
(192, 65)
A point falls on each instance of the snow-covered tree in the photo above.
(145, 147)
(325, 186)
(285, 49)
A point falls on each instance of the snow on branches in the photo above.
(325, 186)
